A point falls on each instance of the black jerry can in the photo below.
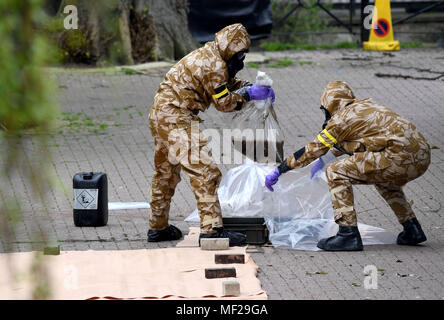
(90, 199)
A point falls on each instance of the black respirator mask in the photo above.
(236, 63)
(327, 116)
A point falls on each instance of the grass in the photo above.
(280, 63)
(79, 122)
(253, 65)
(129, 71)
(278, 46)
(412, 45)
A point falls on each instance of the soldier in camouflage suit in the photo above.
(205, 76)
(383, 149)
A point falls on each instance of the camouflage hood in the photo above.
(336, 96)
(231, 40)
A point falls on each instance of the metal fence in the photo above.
(352, 5)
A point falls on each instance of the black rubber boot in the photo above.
(236, 238)
(347, 239)
(412, 233)
(167, 234)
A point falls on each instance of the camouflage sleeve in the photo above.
(235, 84)
(224, 100)
(336, 152)
(323, 142)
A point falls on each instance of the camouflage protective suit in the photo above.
(190, 86)
(384, 149)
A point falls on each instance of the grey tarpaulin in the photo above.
(206, 17)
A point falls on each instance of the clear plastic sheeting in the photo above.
(297, 214)
(299, 233)
(304, 234)
(255, 128)
(303, 213)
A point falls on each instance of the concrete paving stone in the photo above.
(125, 152)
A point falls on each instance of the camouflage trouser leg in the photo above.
(205, 181)
(165, 179)
(341, 192)
(396, 200)
(371, 168)
(174, 151)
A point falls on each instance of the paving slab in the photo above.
(123, 148)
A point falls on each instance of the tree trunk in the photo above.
(170, 22)
(127, 31)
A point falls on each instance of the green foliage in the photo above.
(303, 20)
(25, 100)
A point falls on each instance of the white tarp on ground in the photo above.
(297, 214)
(128, 205)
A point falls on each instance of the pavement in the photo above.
(111, 135)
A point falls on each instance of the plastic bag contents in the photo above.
(298, 213)
(256, 131)
(242, 193)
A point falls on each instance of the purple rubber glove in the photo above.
(318, 165)
(260, 92)
(272, 179)
(271, 94)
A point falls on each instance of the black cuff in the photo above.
(299, 153)
(245, 95)
(239, 106)
(283, 167)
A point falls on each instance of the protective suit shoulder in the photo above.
(320, 145)
(217, 85)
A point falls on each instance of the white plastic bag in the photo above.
(242, 192)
